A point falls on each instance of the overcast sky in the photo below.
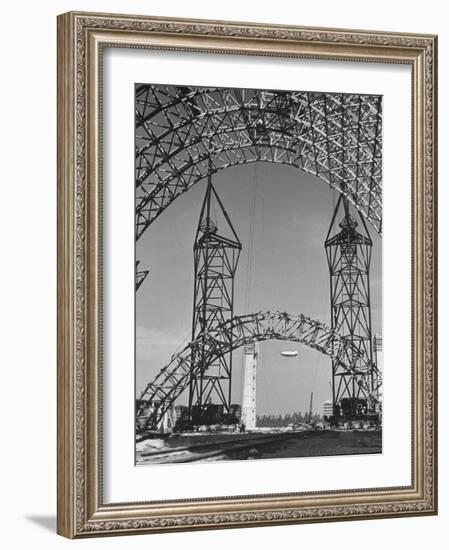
(289, 273)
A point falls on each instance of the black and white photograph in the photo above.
(258, 257)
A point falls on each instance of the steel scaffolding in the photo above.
(185, 133)
(141, 275)
(216, 253)
(348, 252)
(174, 378)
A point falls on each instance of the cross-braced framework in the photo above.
(216, 254)
(185, 133)
(348, 253)
(141, 275)
(174, 378)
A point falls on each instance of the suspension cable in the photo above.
(252, 223)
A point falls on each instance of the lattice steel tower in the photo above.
(216, 254)
(348, 249)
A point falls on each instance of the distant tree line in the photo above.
(280, 421)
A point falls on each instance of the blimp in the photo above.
(287, 353)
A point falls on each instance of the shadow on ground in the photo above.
(46, 522)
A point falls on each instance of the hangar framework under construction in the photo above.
(186, 134)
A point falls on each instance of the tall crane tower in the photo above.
(348, 248)
(216, 253)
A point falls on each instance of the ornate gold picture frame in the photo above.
(83, 511)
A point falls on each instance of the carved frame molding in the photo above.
(81, 37)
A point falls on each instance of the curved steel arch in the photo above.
(185, 133)
(174, 378)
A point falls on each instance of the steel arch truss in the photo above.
(174, 378)
(185, 133)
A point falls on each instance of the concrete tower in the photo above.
(249, 386)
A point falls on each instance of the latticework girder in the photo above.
(141, 275)
(348, 248)
(185, 133)
(216, 254)
(174, 378)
